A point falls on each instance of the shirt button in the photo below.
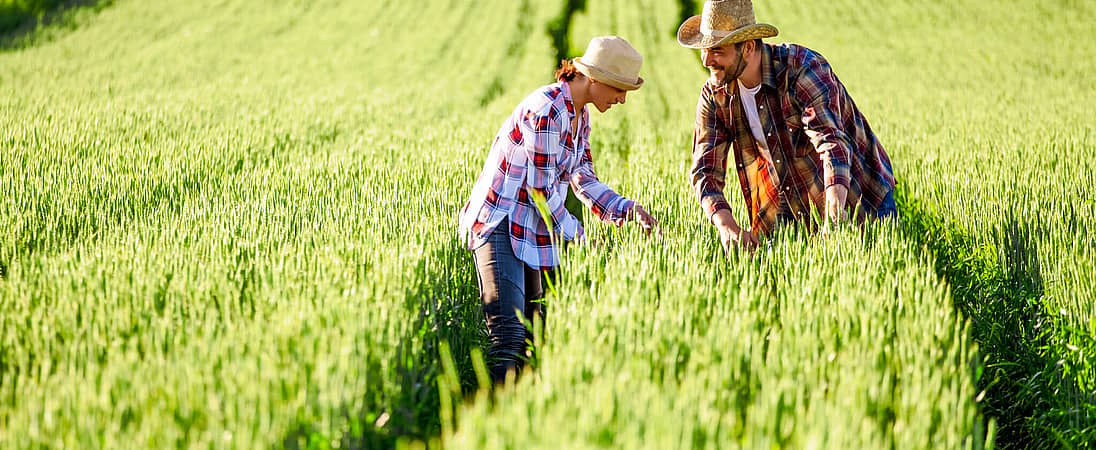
(770, 134)
(761, 107)
(778, 161)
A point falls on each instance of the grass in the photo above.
(234, 226)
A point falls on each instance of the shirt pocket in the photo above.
(801, 146)
(566, 154)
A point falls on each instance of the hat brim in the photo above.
(689, 35)
(605, 77)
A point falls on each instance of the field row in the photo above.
(234, 225)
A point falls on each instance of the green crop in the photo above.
(233, 225)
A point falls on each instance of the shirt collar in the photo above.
(568, 101)
(768, 69)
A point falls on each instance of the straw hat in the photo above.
(723, 22)
(613, 61)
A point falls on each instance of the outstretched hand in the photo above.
(740, 238)
(646, 221)
(731, 235)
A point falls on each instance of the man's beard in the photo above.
(720, 81)
(728, 77)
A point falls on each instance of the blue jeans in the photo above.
(888, 209)
(509, 290)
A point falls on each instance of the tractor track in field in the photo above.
(19, 35)
(511, 57)
(443, 298)
(1019, 372)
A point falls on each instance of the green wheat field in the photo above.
(232, 224)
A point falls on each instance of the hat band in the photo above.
(611, 75)
(605, 76)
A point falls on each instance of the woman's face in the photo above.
(604, 96)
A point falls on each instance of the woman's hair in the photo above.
(566, 71)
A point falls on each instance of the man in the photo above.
(802, 150)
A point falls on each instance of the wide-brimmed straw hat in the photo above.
(613, 61)
(723, 22)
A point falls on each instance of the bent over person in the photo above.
(778, 113)
(542, 149)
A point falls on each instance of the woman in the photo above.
(541, 149)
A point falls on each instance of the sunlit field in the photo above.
(232, 224)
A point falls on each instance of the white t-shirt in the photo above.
(749, 104)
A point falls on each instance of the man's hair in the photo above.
(738, 45)
(566, 71)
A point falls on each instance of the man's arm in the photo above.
(710, 144)
(824, 99)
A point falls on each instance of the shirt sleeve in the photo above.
(824, 99)
(609, 206)
(542, 147)
(710, 144)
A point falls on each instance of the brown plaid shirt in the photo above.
(815, 134)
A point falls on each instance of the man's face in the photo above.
(604, 96)
(725, 63)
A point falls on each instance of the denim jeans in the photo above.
(888, 209)
(509, 290)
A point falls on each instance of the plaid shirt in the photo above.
(533, 154)
(815, 134)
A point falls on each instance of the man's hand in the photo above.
(835, 203)
(730, 234)
(739, 238)
(836, 196)
(646, 221)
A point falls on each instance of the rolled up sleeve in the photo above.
(824, 99)
(710, 144)
(609, 206)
